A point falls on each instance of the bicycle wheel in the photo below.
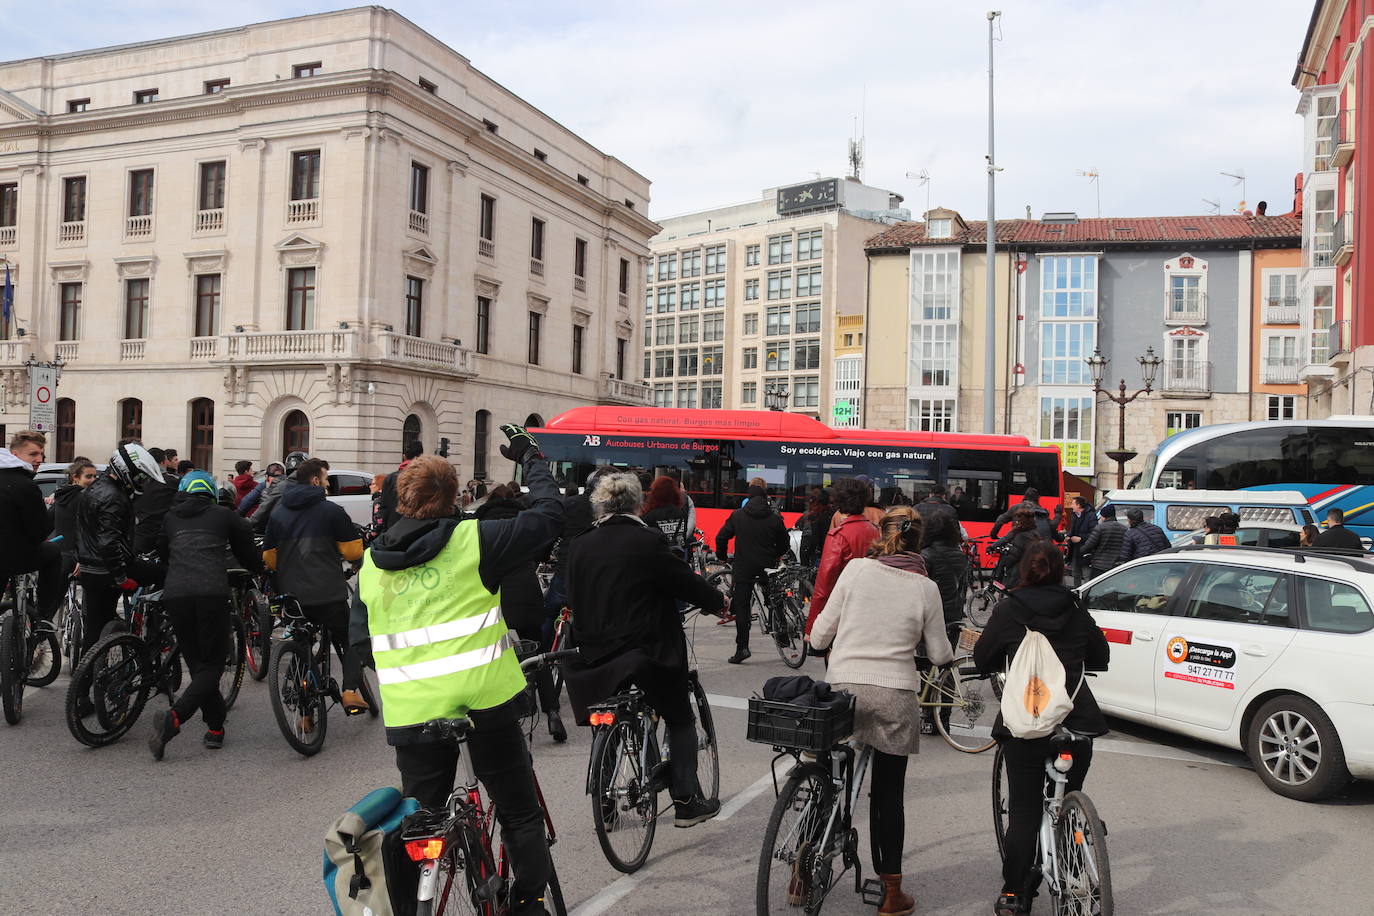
(708, 752)
(967, 708)
(235, 661)
(374, 708)
(298, 699)
(13, 668)
(999, 800)
(73, 630)
(458, 877)
(791, 841)
(257, 635)
(978, 608)
(723, 581)
(624, 805)
(109, 689)
(1085, 877)
(789, 624)
(45, 659)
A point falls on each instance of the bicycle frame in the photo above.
(1054, 804)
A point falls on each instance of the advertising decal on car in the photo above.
(1200, 663)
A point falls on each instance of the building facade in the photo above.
(1188, 288)
(744, 299)
(329, 233)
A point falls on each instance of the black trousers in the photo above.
(501, 760)
(52, 582)
(202, 628)
(1026, 779)
(334, 617)
(100, 605)
(543, 678)
(669, 694)
(741, 600)
(886, 812)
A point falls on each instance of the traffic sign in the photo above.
(42, 402)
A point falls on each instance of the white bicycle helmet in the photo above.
(133, 466)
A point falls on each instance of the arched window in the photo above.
(66, 430)
(410, 431)
(480, 436)
(131, 419)
(534, 420)
(203, 433)
(295, 433)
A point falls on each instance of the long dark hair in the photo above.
(1042, 564)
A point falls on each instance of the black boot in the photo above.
(740, 655)
(556, 729)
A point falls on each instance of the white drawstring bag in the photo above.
(1036, 698)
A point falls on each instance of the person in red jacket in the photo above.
(243, 480)
(850, 539)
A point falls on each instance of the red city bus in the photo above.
(717, 452)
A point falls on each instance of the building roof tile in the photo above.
(1103, 231)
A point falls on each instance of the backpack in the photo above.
(360, 849)
(1036, 698)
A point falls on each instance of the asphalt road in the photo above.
(1192, 829)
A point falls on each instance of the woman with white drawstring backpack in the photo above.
(1041, 604)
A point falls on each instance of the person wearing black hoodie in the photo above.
(947, 566)
(80, 475)
(198, 535)
(21, 506)
(1041, 603)
(760, 539)
(1044, 523)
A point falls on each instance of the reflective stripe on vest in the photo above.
(441, 646)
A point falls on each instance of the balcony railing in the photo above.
(536, 267)
(209, 220)
(1344, 142)
(1187, 377)
(619, 391)
(138, 227)
(623, 301)
(419, 222)
(132, 349)
(303, 211)
(486, 248)
(1343, 243)
(71, 232)
(289, 346)
(1281, 310)
(204, 347)
(12, 352)
(433, 353)
(67, 349)
(1190, 308)
(1338, 341)
(579, 284)
(1281, 370)
(8, 236)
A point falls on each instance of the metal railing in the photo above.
(8, 236)
(1190, 308)
(204, 347)
(138, 227)
(1342, 146)
(1281, 370)
(209, 220)
(1282, 310)
(1343, 238)
(303, 211)
(419, 222)
(486, 248)
(1187, 377)
(1338, 338)
(74, 231)
(289, 345)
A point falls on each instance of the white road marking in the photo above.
(604, 899)
(744, 797)
(721, 700)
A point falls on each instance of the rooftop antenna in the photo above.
(1239, 176)
(1093, 175)
(1213, 205)
(923, 177)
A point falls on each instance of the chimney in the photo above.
(1297, 196)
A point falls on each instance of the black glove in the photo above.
(522, 444)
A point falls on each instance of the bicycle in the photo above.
(29, 653)
(301, 687)
(626, 772)
(248, 601)
(1071, 852)
(985, 587)
(72, 625)
(780, 612)
(459, 839)
(962, 703)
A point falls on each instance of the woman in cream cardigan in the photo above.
(882, 607)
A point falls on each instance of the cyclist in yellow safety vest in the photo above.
(429, 590)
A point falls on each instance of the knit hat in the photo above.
(1107, 512)
(198, 483)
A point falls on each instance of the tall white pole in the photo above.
(990, 344)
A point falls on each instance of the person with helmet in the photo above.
(104, 521)
(274, 490)
(198, 535)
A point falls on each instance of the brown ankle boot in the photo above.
(896, 902)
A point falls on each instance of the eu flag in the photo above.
(6, 304)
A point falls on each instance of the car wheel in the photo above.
(1295, 749)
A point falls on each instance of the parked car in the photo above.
(1263, 649)
(352, 489)
(1267, 534)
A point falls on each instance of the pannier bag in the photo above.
(360, 848)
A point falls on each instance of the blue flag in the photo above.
(6, 304)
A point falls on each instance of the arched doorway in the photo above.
(131, 419)
(66, 430)
(534, 420)
(410, 432)
(295, 433)
(203, 433)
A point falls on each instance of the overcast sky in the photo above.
(714, 100)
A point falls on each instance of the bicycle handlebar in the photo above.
(549, 658)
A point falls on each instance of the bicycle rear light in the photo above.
(1064, 762)
(603, 718)
(424, 849)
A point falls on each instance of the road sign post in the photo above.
(42, 399)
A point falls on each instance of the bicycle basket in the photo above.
(525, 648)
(967, 637)
(804, 728)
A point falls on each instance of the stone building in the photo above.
(329, 232)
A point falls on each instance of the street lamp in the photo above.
(1149, 368)
(775, 397)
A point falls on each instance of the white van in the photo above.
(1181, 511)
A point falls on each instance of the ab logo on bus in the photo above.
(591, 440)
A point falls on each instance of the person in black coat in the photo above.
(947, 566)
(1102, 549)
(1015, 544)
(25, 518)
(1042, 603)
(1081, 526)
(760, 539)
(1142, 538)
(624, 582)
(1337, 535)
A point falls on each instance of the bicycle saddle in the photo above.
(448, 730)
(1063, 735)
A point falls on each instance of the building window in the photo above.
(807, 317)
(74, 199)
(419, 188)
(537, 239)
(691, 296)
(1323, 316)
(687, 361)
(624, 285)
(941, 228)
(779, 284)
(667, 299)
(779, 320)
(1185, 298)
(579, 336)
(305, 174)
(295, 433)
(207, 305)
(300, 299)
(145, 96)
(751, 256)
(751, 288)
(74, 106)
(66, 430)
(749, 358)
(806, 391)
(415, 300)
(663, 365)
(777, 356)
(70, 316)
(536, 326)
(483, 324)
(691, 263)
(131, 418)
(667, 267)
(1281, 362)
(710, 395)
(751, 322)
(712, 360)
(480, 438)
(300, 71)
(689, 329)
(848, 340)
(936, 347)
(1176, 421)
(931, 415)
(620, 347)
(203, 433)
(9, 204)
(715, 294)
(1282, 407)
(806, 354)
(749, 393)
(687, 396)
(935, 285)
(713, 327)
(211, 192)
(715, 259)
(1281, 298)
(486, 226)
(663, 331)
(141, 192)
(1068, 287)
(427, 86)
(1068, 423)
(780, 249)
(135, 309)
(663, 394)
(808, 281)
(1063, 348)
(580, 258)
(410, 432)
(1325, 131)
(1323, 225)
(648, 333)
(808, 245)
(215, 87)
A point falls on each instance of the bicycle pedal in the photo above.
(872, 892)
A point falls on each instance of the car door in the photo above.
(1230, 629)
(1132, 606)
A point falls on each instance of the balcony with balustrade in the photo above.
(536, 267)
(72, 232)
(9, 236)
(66, 350)
(429, 354)
(1282, 310)
(303, 212)
(138, 227)
(209, 222)
(619, 391)
(1343, 243)
(580, 285)
(291, 346)
(419, 222)
(132, 350)
(1186, 378)
(1281, 370)
(14, 352)
(1185, 307)
(204, 347)
(486, 248)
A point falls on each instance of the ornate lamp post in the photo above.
(1149, 368)
(775, 397)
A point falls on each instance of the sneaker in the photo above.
(307, 724)
(354, 704)
(739, 656)
(165, 728)
(726, 618)
(214, 740)
(694, 811)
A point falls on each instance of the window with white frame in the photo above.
(1323, 225)
(806, 391)
(749, 393)
(667, 267)
(931, 415)
(1282, 407)
(691, 264)
(749, 358)
(1186, 298)
(687, 329)
(667, 298)
(1068, 287)
(808, 281)
(1281, 297)
(751, 288)
(1185, 353)
(777, 356)
(751, 256)
(663, 395)
(715, 259)
(806, 354)
(779, 320)
(687, 395)
(663, 365)
(808, 244)
(1176, 421)
(780, 249)
(807, 318)
(648, 300)
(663, 331)
(710, 395)
(715, 294)
(1326, 111)
(712, 360)
(687, 361)
(1323, 316)
(1281, 362)
(934, 348)
(1068, 422)
(1064, 346)
(713, 327)
(751, 322)
(935, 285)
(779, 284)
(941, 228)
(691, 296)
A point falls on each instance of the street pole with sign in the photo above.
(43, 393)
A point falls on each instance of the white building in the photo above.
(327, 232)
